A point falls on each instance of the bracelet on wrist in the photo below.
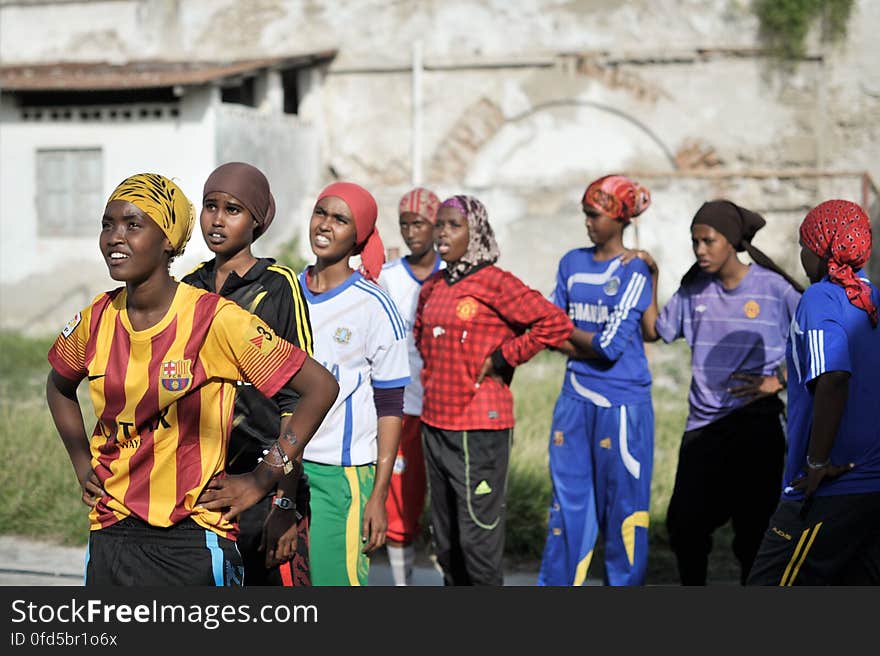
(812, 464)
(274, 456)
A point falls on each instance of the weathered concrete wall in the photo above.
(284, 149)
(526, 102)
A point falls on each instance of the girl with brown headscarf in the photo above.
(237, 209)
(735, 317)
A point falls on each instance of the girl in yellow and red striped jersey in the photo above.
(162, 360)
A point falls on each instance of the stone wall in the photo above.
(526, 102)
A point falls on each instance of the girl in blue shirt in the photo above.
(602, 437)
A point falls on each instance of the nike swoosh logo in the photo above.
(97, 376)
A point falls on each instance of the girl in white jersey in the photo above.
(403, 279)
(360, 337)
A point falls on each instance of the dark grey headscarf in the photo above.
(738, 225)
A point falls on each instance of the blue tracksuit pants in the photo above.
(601, 459)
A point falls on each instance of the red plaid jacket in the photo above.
(489, 312)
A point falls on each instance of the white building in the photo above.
(72, 131)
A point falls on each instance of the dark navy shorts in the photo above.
(833, 541)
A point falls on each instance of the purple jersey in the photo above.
(741, 330)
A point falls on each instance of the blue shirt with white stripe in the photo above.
(607, 298)
(828, 333)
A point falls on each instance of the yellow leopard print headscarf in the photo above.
(163, 201)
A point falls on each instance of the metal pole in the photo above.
(416, 138)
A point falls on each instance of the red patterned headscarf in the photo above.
(839, 232)
(364, 212)
(617, 196)
(482, 248)
(421, 201)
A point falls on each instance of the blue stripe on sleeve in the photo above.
(388, 305)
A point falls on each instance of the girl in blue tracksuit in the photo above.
(602, 437)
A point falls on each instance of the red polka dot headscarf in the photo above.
(839, 232)
(617, 196)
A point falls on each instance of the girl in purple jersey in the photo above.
(735, 318)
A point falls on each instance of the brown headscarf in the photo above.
(738, 225)
(248, 184)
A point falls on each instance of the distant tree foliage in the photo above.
(786, 23)
(287, 254)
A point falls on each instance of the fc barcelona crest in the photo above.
(175, 375)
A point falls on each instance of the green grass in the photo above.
(40, 498)
(39, 494)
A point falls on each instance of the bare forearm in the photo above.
(67, 416)
(579, 346)
(649, 317)
(317, 391)
(288, 484)
(829, 403)
(387, 442)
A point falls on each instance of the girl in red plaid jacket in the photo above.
(475, 322)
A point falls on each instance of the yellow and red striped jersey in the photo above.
(164, 398)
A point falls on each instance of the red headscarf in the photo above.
(364, 211)
(617, 196)
(839, 232)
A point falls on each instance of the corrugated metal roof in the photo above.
(79, 76)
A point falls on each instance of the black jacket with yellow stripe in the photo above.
(273, 293)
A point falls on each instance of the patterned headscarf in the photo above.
(162, 201)
(364, 212)
(248, 184)
(617, 196)
(421, 201)
(482, 247)
(839, 232)
(739, 226)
